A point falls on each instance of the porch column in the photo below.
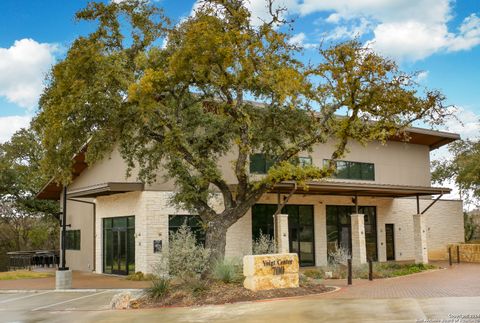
(281, 233)
(420, 239)
(359, 249)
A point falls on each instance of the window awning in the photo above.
(106, 189)
(359, 189)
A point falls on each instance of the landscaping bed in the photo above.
(380, 270)
(24, 274)
(217, 292)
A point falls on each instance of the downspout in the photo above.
(94, 229)
(64, 229)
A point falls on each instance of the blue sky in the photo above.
(441, 38)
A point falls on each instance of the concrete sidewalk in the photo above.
(81, 280)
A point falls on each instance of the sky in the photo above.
(439, 38)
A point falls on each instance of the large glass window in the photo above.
(119, 245)
(260, 163)
(192, 221)
(300, 226)
(339, 228)
(353, 170)
(72, 240)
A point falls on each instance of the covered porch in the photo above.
(372, 221)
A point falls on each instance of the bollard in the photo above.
(370, 269)
(349, 271)
(450, 255)
(458, 254)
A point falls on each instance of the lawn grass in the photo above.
(23, 274)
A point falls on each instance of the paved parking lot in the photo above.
(52, 306)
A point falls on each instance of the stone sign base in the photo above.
(263, 272)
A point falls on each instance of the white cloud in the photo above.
(9, 125)
(22, 71)
(348, 31)
(467, 123)
(259, 9)
(402, 29)
(300, 40)
(422, 76)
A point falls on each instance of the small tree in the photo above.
(183, 106)
(186, 258)
(463, 169)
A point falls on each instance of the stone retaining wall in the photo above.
(468, 252)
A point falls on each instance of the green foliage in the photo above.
(227, 271)
(313, 273)
(139, 276)
(471, 228)
(463, 168)
(264, 244)
(380, 270)
(25, 222)
(186, 257)
(160, 287)
(182, 107)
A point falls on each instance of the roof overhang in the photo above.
(432, 138)
(359, 189)
(106, 189)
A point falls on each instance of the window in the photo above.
(72, 240)
(354, 170)
(305, 161)
(192, 221)
(260, 164)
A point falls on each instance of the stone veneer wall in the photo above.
(151, 209)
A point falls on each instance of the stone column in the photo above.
(281, 233)
(359, 249)
(420, 239)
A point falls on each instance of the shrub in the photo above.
(227, 271)
(160, 287)
(263, 245)
(313, 273)
(139, 276)
(195, 285)
(186, 257)
(339, 256)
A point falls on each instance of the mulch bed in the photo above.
(220, 293)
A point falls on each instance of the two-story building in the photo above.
(380, 205)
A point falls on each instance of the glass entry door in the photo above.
(300, 227)
(339, 231)
(119, 245)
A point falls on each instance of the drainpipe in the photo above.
(64, 228)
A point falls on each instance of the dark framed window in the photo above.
(192, 221)
(119, 245)
(260, 163)
(300, 228)
(353, 170)
(305, 161)
(339, 228)
(72, 240)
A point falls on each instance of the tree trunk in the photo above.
(216, 240)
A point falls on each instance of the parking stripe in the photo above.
(70, 300)
(23, 297)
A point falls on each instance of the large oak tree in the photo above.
(179, 97)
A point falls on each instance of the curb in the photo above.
(286, 298)
(73, 290)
